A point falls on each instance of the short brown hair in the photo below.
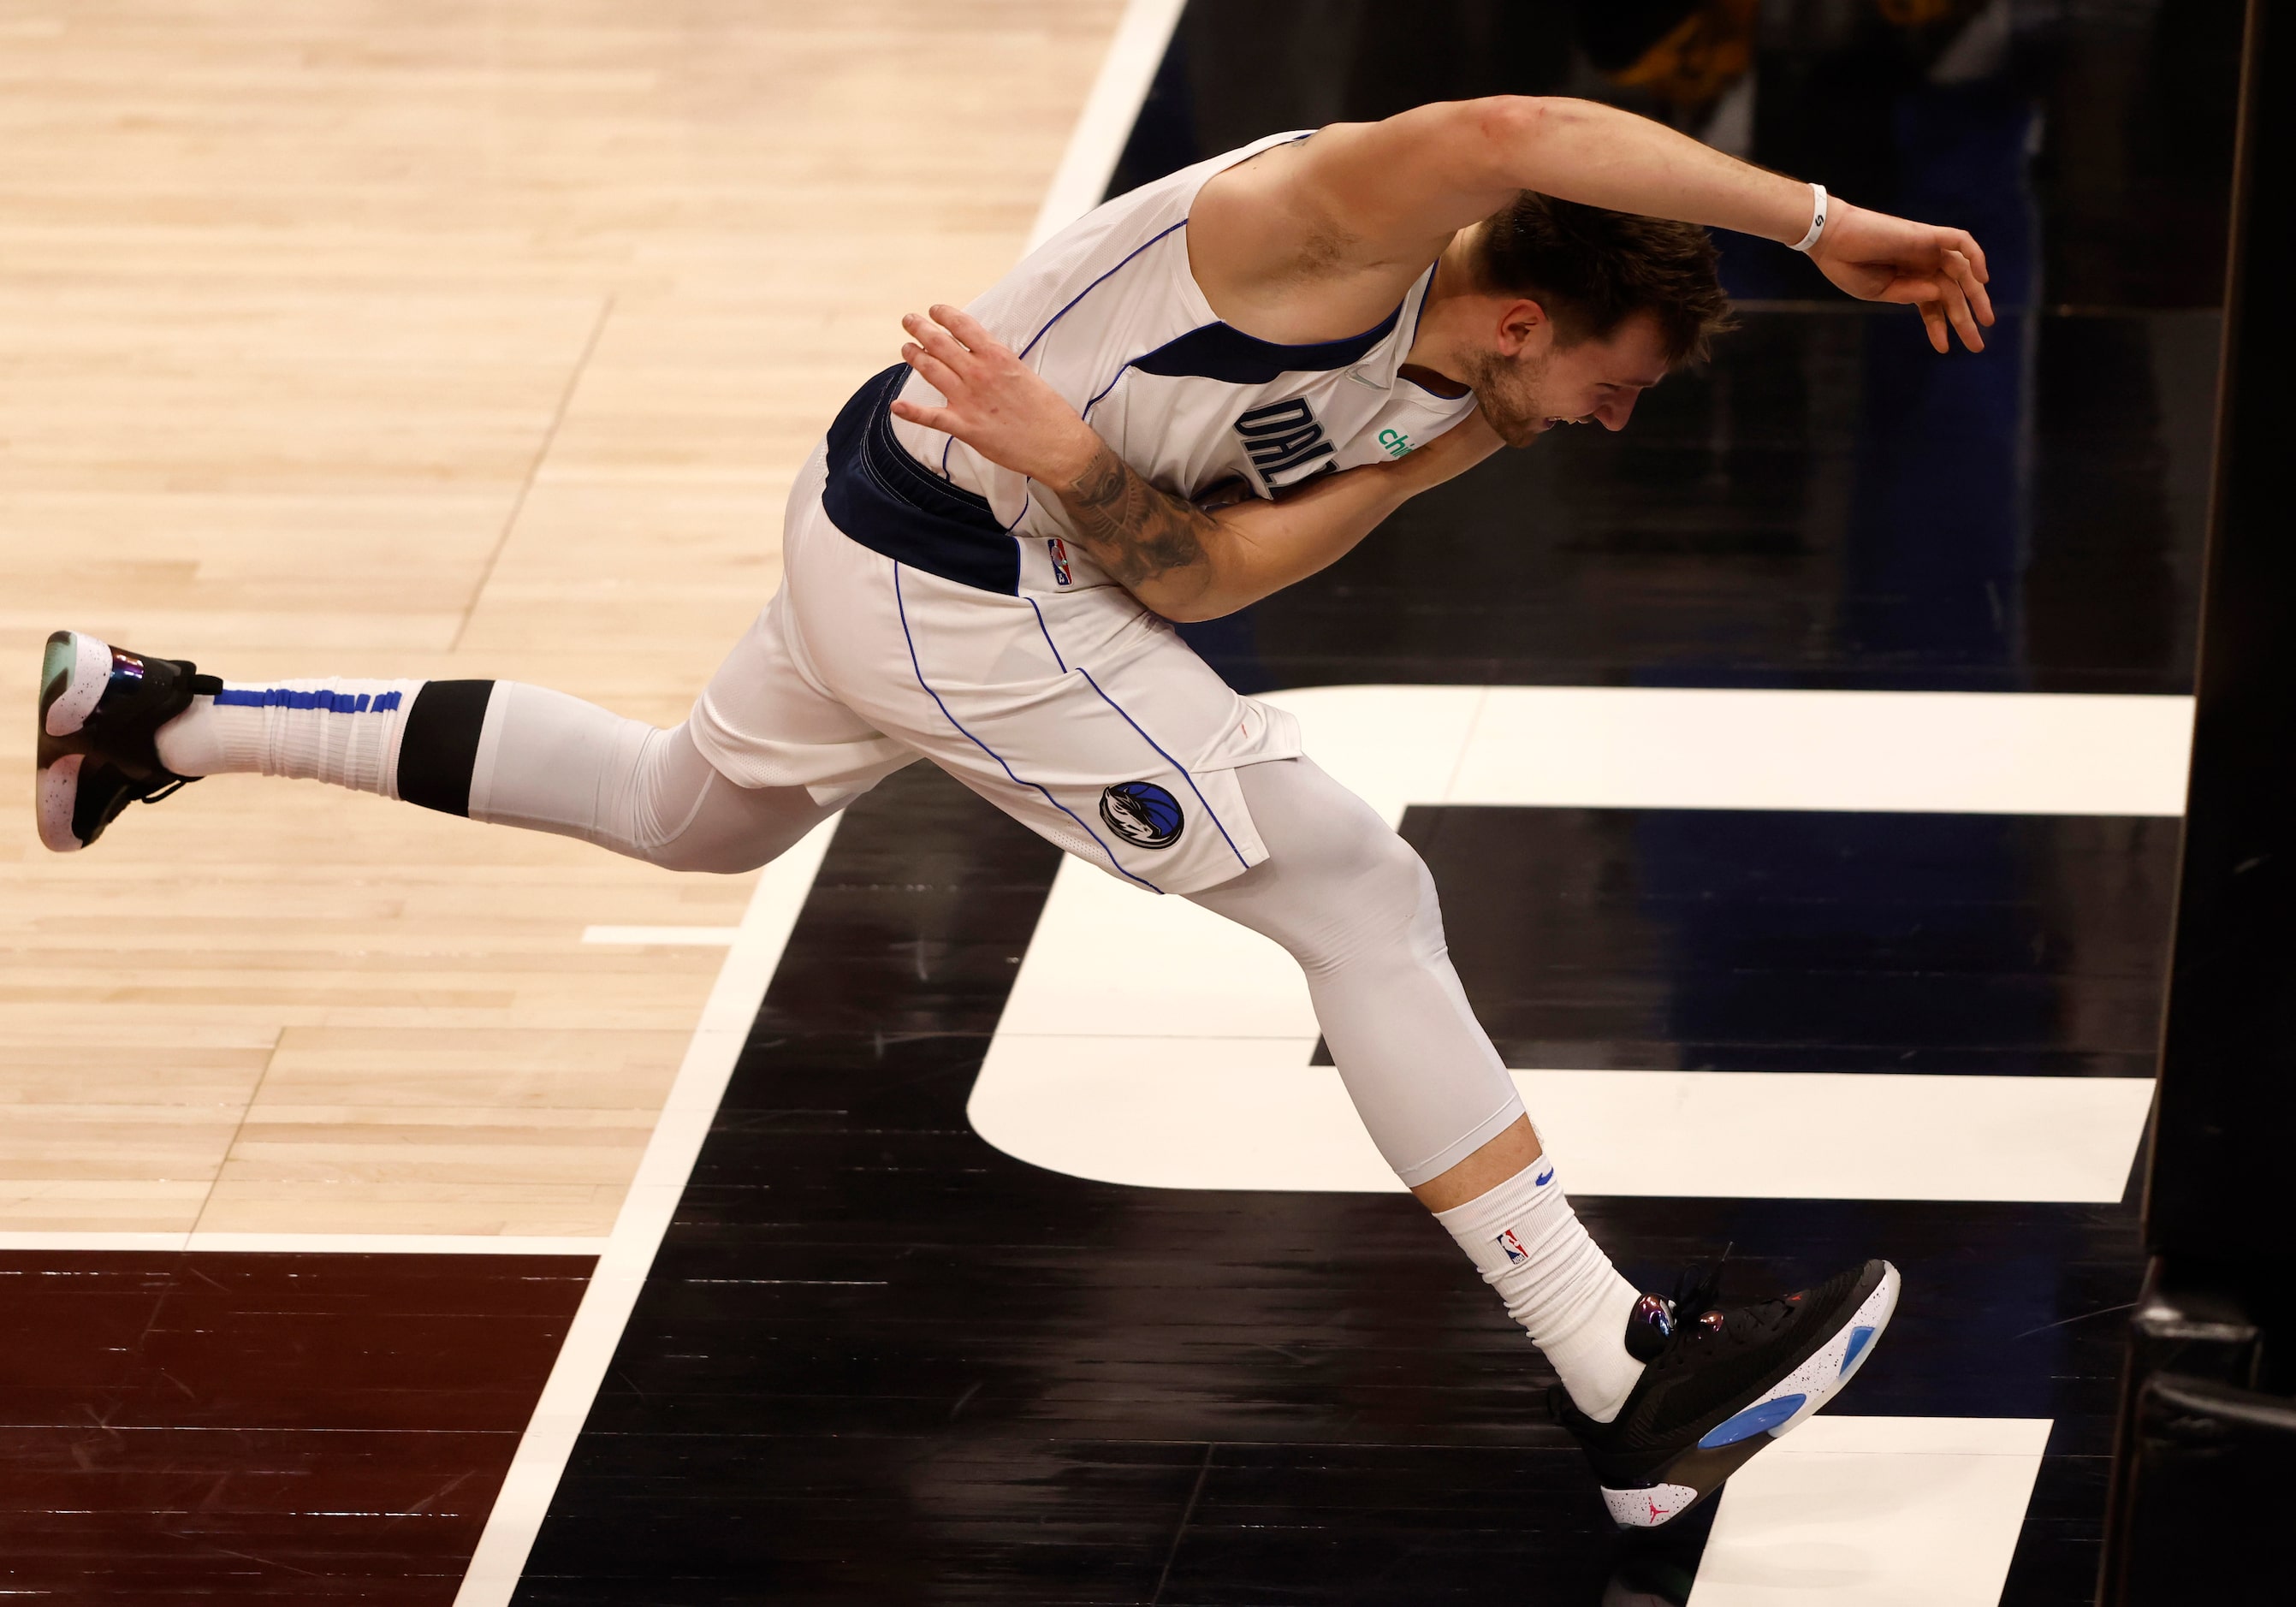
(1591, 270)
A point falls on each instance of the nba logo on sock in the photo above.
(1513, 1247)
(1059, 549)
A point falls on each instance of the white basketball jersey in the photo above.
(1109, 311)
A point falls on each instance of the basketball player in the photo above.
(1193, 396)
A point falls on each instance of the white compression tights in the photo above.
(554, 763)
(1351, 902)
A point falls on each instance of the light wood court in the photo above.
(435, 340)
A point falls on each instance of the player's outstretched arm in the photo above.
(1184, 561)
(1359, 209)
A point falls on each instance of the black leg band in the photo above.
(439, 748)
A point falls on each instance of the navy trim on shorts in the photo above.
(890, 503)
(1211, 813)
(901, 604)
(1046, 629)
(1175, 765)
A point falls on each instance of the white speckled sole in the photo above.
(75, 668)
(52, 801)
(1780, 1410)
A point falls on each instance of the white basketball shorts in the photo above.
(1074, 709)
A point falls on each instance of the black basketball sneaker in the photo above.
(100, 708)
(1719, 1385)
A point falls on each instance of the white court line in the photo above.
(1142, 35)
(366, 1244)
(664, 937)
(1875, 1512)
(1695, 748)
(638, 1228)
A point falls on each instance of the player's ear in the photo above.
(1523, 324)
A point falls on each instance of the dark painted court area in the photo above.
(1774, 940)
(294, 1428)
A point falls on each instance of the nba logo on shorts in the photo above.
(1142, 814)
(1059, 549)
(1515, 1252)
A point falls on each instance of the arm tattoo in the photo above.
(1132, 529)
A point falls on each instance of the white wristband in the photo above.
(1817, 221)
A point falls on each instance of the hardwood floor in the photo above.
(444, 341)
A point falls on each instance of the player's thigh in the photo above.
(765, 720)
(1086, 719)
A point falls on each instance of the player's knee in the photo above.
(711, 824)
(1375, 900)
(1390, 883)
(725, 842)
(719, 858)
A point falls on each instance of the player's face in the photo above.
(1542, 382)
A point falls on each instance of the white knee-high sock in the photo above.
(1557, 1281)
(498, 752)
(345, 732)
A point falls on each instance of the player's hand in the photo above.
(1941, 273)
(996, 404)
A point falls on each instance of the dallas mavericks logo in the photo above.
(1142, 814)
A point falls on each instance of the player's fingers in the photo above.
(1933, 320)
(1964, 275)
(931, 369)
(931, 418)
(1957, 312)
(966, 328)
(937, 341)
(1963, 242)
